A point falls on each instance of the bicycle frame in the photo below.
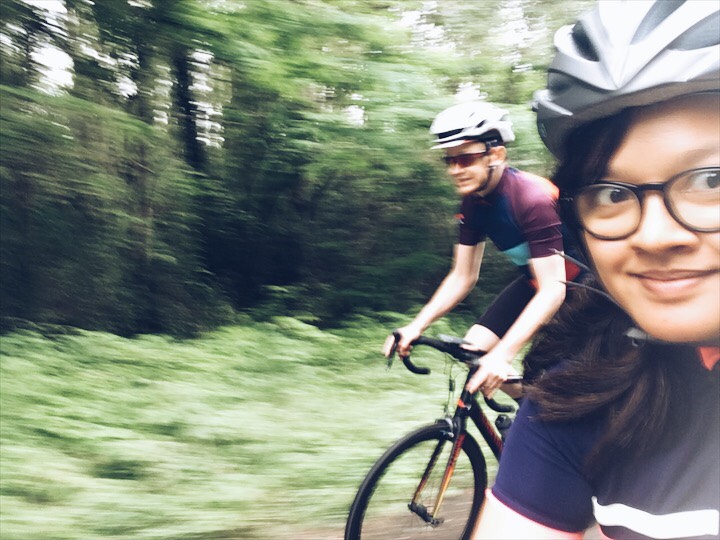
(467, 406)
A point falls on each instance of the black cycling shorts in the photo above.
(507, 306)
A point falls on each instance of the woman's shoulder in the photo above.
(541, 470)
(563, 443)
(580, 432)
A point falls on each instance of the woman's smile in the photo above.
(673, 285)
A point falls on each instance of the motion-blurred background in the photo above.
(212, 212)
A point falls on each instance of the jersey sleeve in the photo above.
(543, 231)
(538, 217)
(544, 242)
(540, 473)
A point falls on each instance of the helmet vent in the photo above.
(450, 133)
(656, 15)
(706, 33)
(558, 82)
(583, 44)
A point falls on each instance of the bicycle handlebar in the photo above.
(452, 346)
(447, 344)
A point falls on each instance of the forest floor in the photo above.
(255, 431)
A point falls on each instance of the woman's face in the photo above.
(665, 276)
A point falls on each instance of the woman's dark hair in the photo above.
(583, 365)
(589, 150)
(603, 373)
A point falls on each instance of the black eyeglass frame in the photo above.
(569, 202)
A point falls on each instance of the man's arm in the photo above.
(454, 288)
(549, 273)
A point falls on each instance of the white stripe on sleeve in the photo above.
(676, 525)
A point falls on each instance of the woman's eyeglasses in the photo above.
(613, 210)
(464, 160)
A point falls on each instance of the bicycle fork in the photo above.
(459, 425)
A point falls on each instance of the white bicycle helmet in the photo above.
(625, 54)
(475, 120)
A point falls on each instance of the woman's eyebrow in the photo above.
(690, 159)
(702, 154)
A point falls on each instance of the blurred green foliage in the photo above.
(211, 157)
(215, 156)
(255, 431)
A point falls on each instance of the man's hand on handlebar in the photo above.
(488, 378)
(495, 369)
(408, 334)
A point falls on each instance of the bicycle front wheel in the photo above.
(384, 506)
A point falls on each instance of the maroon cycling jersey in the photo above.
(519, 216)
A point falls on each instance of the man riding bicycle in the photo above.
(517, 211)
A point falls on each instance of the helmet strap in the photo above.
(491, 171)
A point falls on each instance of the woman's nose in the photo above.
(658, 229)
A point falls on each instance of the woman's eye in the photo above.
(703, 180)
(610, 195)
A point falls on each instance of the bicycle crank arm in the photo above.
(421, 511)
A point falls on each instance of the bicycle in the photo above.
(405, 495)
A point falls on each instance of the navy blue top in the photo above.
(672, 492)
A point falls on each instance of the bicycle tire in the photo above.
(380, 509)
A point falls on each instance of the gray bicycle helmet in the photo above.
(475, 120)
(625, 54)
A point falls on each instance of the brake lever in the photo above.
(391, 354)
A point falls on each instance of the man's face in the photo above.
(471, 174)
